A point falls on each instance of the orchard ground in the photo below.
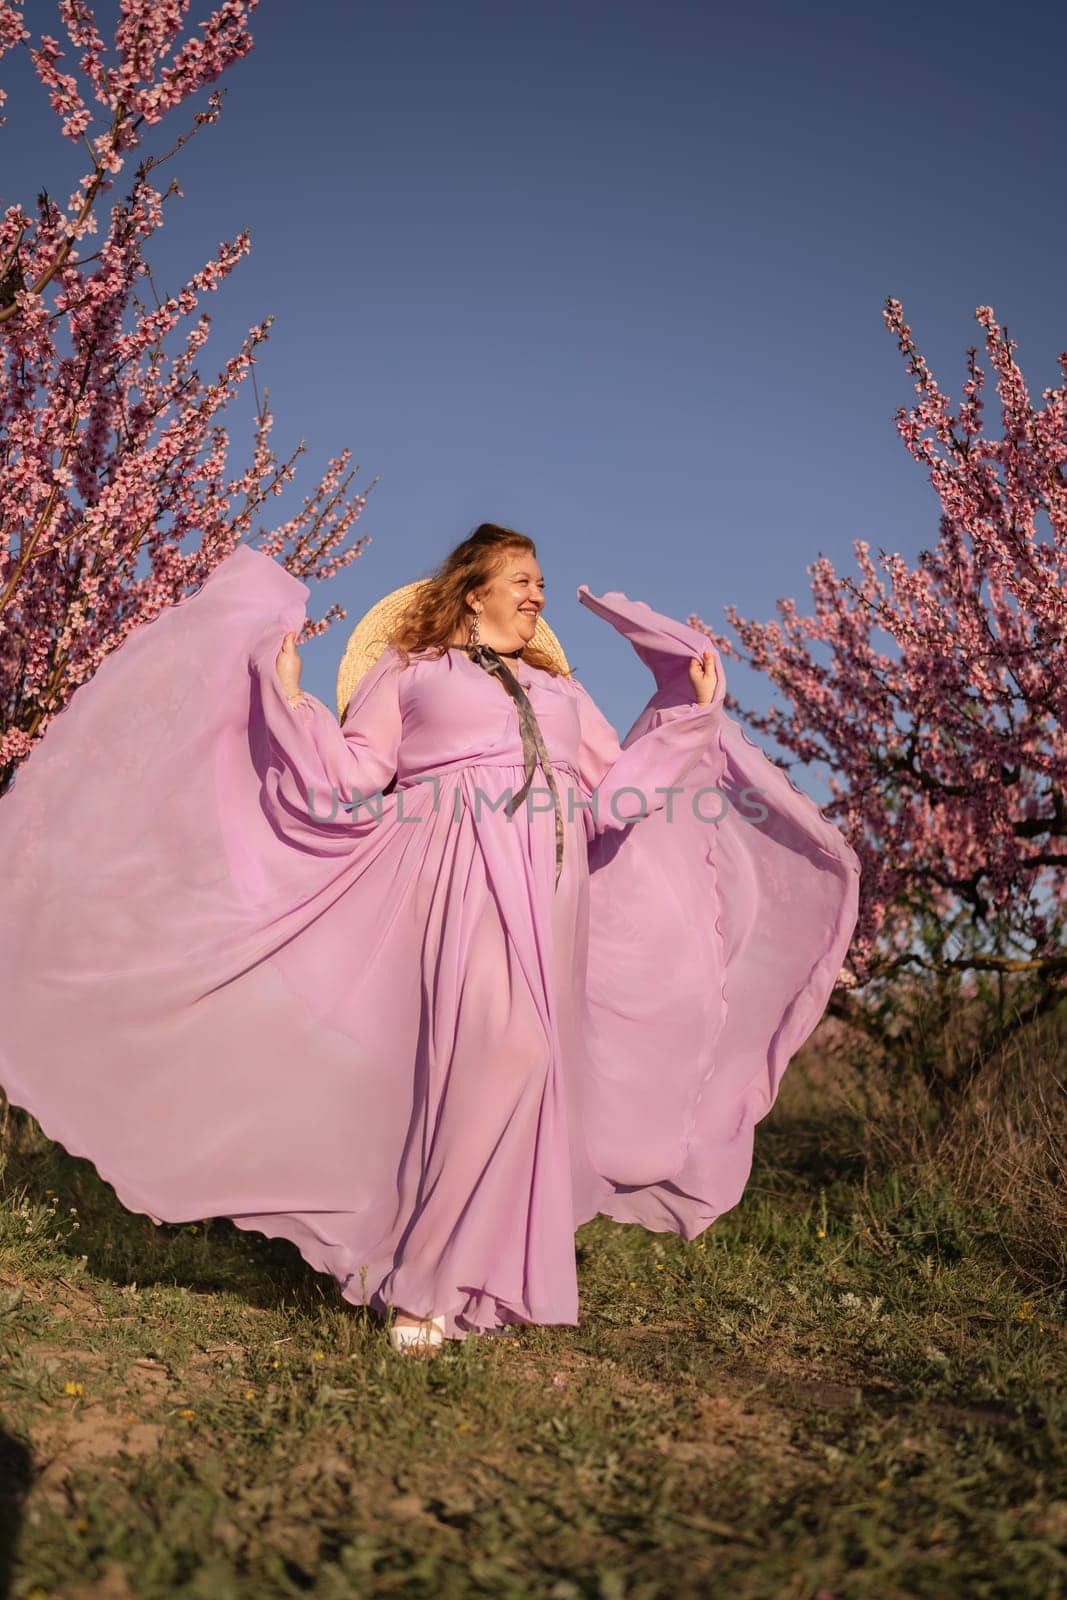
(850, 1388)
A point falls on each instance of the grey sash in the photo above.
(533, 744)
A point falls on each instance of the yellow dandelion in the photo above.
(318, 1356)
(659, 1266)
(633, 1283)
(275, 1363)
(250, 1394)
(73, 1388)
(187, 1414)
(820, 1233)
(699, 1301)
(193, 1228)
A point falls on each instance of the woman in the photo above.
(488, 593)
(373, 989)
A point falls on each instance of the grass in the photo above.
(851, 1386)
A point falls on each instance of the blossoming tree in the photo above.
(943, 741)
(113, 452)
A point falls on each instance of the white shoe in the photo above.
(405, 1337)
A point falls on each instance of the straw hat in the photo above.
(372, 633)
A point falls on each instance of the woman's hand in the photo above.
(287, 666)
(703, 677)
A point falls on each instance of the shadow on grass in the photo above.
(125, 1247)
(16, 1473)
(796, 1151)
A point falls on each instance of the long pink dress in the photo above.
(385, 1032)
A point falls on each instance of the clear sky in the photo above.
(613, 273)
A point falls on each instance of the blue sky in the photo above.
(614, 274)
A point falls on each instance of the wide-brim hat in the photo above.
(373, 632)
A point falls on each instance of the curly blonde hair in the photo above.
(439, 609)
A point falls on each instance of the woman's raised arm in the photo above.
(320, 771)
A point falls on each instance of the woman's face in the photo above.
(511, 603)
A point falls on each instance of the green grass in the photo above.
(851, 1386)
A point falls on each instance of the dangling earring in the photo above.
(472, 636)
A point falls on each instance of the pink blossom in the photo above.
(946, 750)
(118, 494)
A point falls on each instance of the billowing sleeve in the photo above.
(177, 981)
(623, 783)
(717, 929)
(322, 775)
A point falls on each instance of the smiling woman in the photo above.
(509, 606)
(427, 1033)
(485, 591)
